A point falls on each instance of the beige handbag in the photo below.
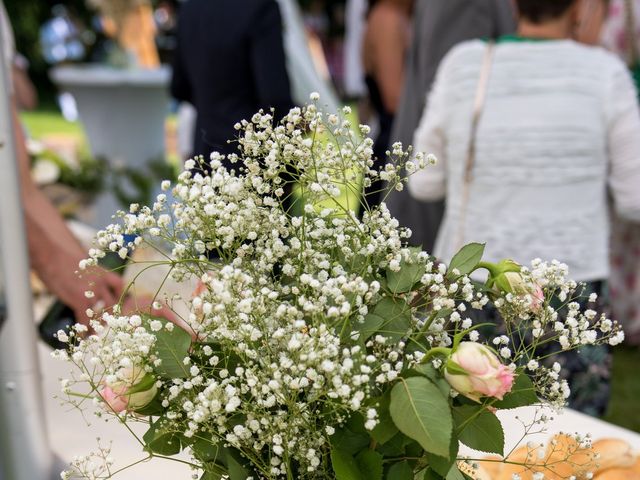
(478, 107)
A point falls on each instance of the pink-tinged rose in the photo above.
(133, 390)
(114, 399)
(474, 371)
(514, 282)
(537, 298)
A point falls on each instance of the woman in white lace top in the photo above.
(559, 128)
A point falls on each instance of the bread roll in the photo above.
(492, 468)
(564, 458)
(618, 474)
(613, 453)
(523, 459)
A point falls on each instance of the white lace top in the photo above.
(560, 125)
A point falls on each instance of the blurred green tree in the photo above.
(27, 16)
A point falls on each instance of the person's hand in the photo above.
(88, 296)
(145, 304)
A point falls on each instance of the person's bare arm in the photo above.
(24, 91)
(54, 251)
(389, 38)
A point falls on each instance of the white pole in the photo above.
(24, 447)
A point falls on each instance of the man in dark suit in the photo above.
(229, 63)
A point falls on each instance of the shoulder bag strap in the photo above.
(478, 106)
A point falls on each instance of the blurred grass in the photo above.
(49, 122)
(41, 123)
(624, 408)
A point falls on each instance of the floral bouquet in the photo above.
(317, 346)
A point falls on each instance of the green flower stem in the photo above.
(402, 459)
(142, 460)
(427, 325)
(444, 351)
(288, 463)
(80, 395)
(492, 268)
(173, 459)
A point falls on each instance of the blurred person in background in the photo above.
(306, 66)
(355, 24)
(25, 92)
(53, 250)
(229, 63)
(437, 26)
(558, 125)
(385, 43)
(621, 35)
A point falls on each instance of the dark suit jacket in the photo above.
(229, 63)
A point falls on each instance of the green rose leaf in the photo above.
(349, 442)
(400, 471)
(412, 448)
(467, 259)
(429, 371)
(454, 474)
(441, 465)
(206, 451)
(370, 464)
(397, 317)
(430, 474)
(211, 476)
(395, 447)
(355, 423)
(371, 324)
(523, 393)
(236, 465)
(390, 317)
(422, 413)
(171, 348)
(404, 279)
(479, 429)
(385, 430)
(161, 440)
(345, 466)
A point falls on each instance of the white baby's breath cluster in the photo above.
(301, 319)
(95, 465)
(558, 323)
